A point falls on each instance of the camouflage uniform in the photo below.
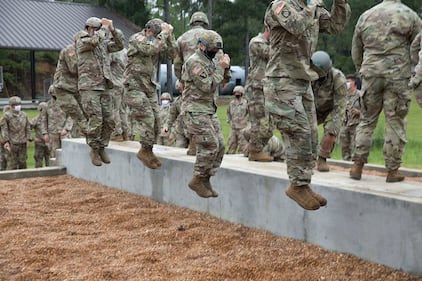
(416, 81)
(95, 82)
(261, 129)
(351, 121)
(199, 106)
(42, 150)
(381, 54)
(176, 125)
(237, 117)
(274, 147)
(118, 64)
(164, 138)
(330, 102)
(140, 87)
(66, 87)
(16, 131)
(294, 28)
(58, 125)
(4, 153)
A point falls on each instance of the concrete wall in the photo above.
(371, 219)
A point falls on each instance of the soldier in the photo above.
(58, 124)
(145, 48)
(294, 28)
(237, 117)
(117, 65)
(415, 82)
(201, 76)
(351, 119)
(381, 54)
(175, 121)
(93, 47)
(261, 129)
(330, 93)
(274, 147)
(39, 125)
(66, 87)
(4, 153)
(164, 138)
(16, 132)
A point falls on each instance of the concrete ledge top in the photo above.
(371, 184)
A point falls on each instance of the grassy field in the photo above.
(411, 156)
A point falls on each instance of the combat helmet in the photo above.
(165, 96)
(93, 22)
(15, 100)
(42, 106)
(239, 89)
(199, 17)
(211, 39)
(322, 60)
(154, 25)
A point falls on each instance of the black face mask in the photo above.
(238, 96)
(210, 54)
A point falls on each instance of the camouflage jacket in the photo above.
(330, 99)
(56, 118)
(94, 58)
(415, 48)
(39, 125)
(187, 44)
(237, 113)
(353, 102)
(175, 110)
(143, 57)
(201, 77)
(295, 28)
(259, 51)
(382, 38)
(66, 75)
(118, 61)
(15, 127)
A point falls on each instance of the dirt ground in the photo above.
(64, 228)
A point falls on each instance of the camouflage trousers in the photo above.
(347, 141)
(17, 156)
(98, 107)
(145, 110)
(209, 139)
(166, 139)
(119, 111)
(4, 154)
(292, 111)
(236, 140)
(180, 132)
(392, 96)
(41, 154)
(55, 143)
(261, 127)
(325, 118)
(71, 104)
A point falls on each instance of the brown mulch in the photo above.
(64, 228)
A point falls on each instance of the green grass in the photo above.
(413, 149)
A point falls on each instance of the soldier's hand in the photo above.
(225, 61)
(7, 146)
(170, 28)
(63, 133)
(46, 138)
(165, 27)
(164, 130)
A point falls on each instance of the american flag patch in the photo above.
(197, 70)
(280, 7)
(140, 38)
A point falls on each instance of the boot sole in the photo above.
(199, 192)
(356, 176)
(394, 180)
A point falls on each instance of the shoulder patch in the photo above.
(286, 13)
(279, 7)
(197, 70)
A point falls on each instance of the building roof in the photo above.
(49, 25)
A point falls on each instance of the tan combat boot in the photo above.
(104, 156)
(322, 165)
(197, 185)
(125, 137)
(95, 157)
(118, 138)
(156, 160)
(321, 200)
(147, 157)
(207, 184)
(394, 176)
(259, 156)
(356, 170)
(302, 196)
